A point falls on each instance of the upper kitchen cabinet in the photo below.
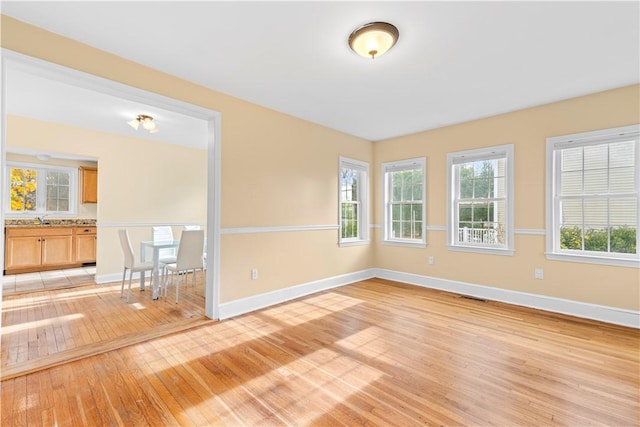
(89, 183)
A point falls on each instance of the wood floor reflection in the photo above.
(370, 353)
(79, 319)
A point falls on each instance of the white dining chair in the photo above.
(189, 258)
(130, 263)
(164, 234)
(204, 255)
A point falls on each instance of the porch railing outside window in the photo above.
(487, 236)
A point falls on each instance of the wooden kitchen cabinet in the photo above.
(89, 184)
(30, 249)
(22, 252)
(85, 244)
(57, 250)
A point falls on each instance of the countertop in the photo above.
(67, 222)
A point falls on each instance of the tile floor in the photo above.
(17, 283)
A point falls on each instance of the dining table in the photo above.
(155, 247)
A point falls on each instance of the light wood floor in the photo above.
(44, 326)
(371, 353)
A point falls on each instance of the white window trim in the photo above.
(73, 191)
(553, 252)
(505, 150)
(418, 162)
(363, 192)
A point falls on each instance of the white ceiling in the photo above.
(454, 61)
(47, 99)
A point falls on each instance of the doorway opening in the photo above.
(13, 63)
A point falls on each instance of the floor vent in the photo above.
(473, 298)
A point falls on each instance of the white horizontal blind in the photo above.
(403, 165)
(596, 194)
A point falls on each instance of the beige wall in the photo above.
(85, 210)
(139, 181)
(276, 171)
(281, 171)
(527, 130)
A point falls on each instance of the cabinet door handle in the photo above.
(86, 230)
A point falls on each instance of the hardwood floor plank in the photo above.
(95, 383)
(45, 391)
(164, 399)
(7, 394)
(33, 403)
(151, 406)
(18, 403)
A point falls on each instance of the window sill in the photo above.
(347, 243)
(482, 250)
(405, 243)
(591, 259)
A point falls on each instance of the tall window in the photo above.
(404, 202)
(592, 193)
(41, 190)
(354, 218)
(480, 199)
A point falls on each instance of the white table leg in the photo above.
(143, 258)
(156, 272)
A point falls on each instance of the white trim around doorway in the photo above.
(10, 60)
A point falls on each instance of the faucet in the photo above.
(40, 220)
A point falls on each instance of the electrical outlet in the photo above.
(431, 260)
(254, 274)
(538, 273)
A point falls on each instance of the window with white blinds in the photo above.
(593, 195)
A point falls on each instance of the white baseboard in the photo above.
(117, 277)
(246, 305)
(113, 277)
(602, 313)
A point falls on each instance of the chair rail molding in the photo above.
(278, 229)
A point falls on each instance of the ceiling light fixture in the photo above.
(373, 39)
(146, 121)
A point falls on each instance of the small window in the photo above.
(480, 200)
(592, 197)
(354, 216)
(404, 202)
(41, 190)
